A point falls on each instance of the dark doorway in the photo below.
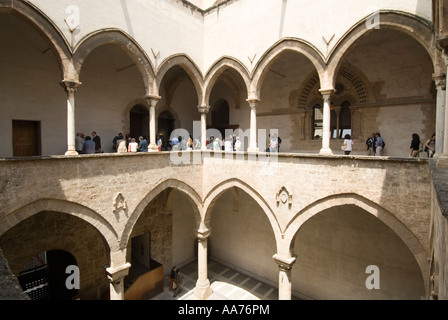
(26, 139)
(44, 276)
(139, 121)
(221, 116)
(166, 124)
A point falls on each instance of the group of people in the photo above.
(88, 144)
(417, 146)
(122, 144)
(375, 144)
(232, 143)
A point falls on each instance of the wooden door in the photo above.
(26, 138)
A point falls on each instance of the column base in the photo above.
(153, 148)
(71, 153)
(442, 161)
(203, 289)
(326, 152)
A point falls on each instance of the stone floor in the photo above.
(226, 284)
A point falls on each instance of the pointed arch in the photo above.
(414, 26)
(214, 194)
(187, 64)
(59, 45)
(273, 53)
(118, 37)
(54, 205)
(218, 68)
(181, 186)
(416, 248)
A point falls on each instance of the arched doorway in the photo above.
(221, 116)
(139, 121)
(166, 125)
(44, 276)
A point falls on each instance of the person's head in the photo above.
(347, 136)
(415, 136)
(88, 138)
(133, 140)
(93, 133)
(140, 138)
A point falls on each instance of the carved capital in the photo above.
(284, 264)
(253, 102)
(203, 109)
(203, 234)
(152, 99)
(70, 86)
(439, 81)
(116, 275)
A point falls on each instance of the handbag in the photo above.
(343, 147)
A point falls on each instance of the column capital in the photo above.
(253, 102)
(203, 234)
(439, 81)
(203, 109)
(117, 274)
(326, 93)
(284, 263)
(70, 85)
(152, 97)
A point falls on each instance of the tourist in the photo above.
(133, 146)
(89, 146)
(237, 144)
(172, 277)
(79, 142)
(122, 145)
(415, 146)
(97, 141)
(370, 142)
(379, 144)
(142, 145)
(115, 139)
(196, 144)
(430, 146)
(228, 144)
(174, 143)
(160, 143)
(348, 143)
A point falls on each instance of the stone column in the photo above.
(284, 279)
(326, 123)
(253, 125)
(202, 289)
(443, 158)
(337, 110)
(153, 100)
(116, 278)
(203, 110)
(70, 87)
(440, 83)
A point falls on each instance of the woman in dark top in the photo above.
(415, 146)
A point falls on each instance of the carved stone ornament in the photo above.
(120, 204)
(284, 196)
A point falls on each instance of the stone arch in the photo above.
(271, 55)
(86, 214)
(126, 43)
(188, 66)
(416, 248)
(218, 68)
(181, 186)
(416, 27)
(214, 193)
(47, 29)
